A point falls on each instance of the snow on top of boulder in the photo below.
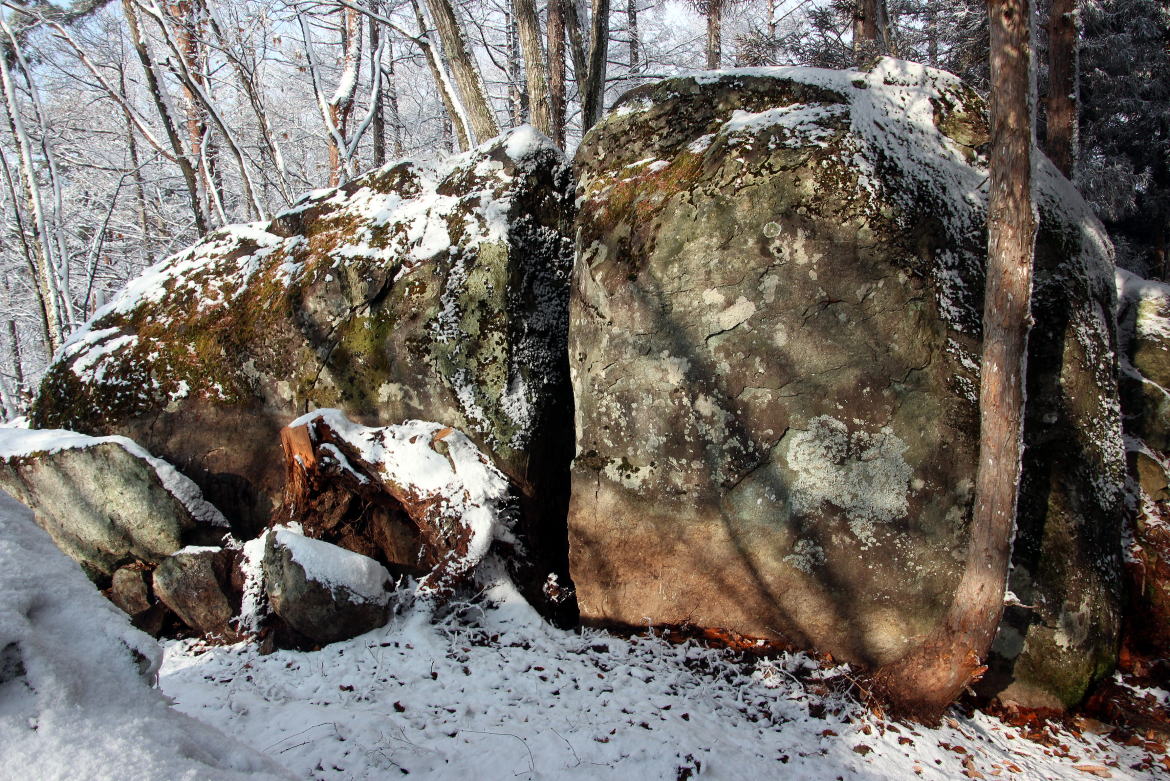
(337, 568)
(914, 140)
(225, 263)
(76, 702)
(28, 443)
(1149, 301)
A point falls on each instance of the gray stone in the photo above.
(324, 592)
(194, 584)
(104, 502)
(128, 590)
(774, 344)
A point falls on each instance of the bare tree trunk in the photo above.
(341, 104)
(28, 252)
(247, 77)
(927, 680)
(714, 33)
(379, 107)
(464, 70)
(455, 111)
(577, 45)
(392, 101)
(556, 67)
(632, 26)
(535, 66)
(517, 94)
(593, 98)
(1061, 119)
(185, 16)
(871, 31)
(47, 278)
(160, 103)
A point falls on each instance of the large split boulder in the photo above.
(774, 341)
(105, 501)
(416, 291)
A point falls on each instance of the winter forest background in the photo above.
(131, 127)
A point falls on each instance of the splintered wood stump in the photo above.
(340, 496)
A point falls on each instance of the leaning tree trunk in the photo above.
(159, 98)
(714, 33)
(929, 678)
(464, 71)
(1061, 124)
(535, 67)
(593, 100)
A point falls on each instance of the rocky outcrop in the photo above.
(323, 592)
(105, 501)
(195, 583)
(415, 291)
(774, 343)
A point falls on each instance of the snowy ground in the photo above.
(494, 697)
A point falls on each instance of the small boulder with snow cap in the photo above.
(322, 592)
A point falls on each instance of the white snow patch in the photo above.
(75, 701)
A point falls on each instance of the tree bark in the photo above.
(392, 101)
(517, 91)
(379, 108)
(577, 45)
(466, 74)
(1061, 119)
(158, 97)
(535, 65)
(632, 27)
(341, 104)
(593, 99)
(871, 31)
(556, 68)
(455, 113)
(714, 33)
(923, 683)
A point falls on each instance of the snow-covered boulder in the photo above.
(774, 341)
(76, 699)
(324, 592)
(415, 291)
(195, 583)
(104, 500)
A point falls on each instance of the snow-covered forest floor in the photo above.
(492, 693)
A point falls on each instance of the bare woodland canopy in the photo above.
(133, 126)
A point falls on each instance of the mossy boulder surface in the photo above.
(415, 291)
(775, 330)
